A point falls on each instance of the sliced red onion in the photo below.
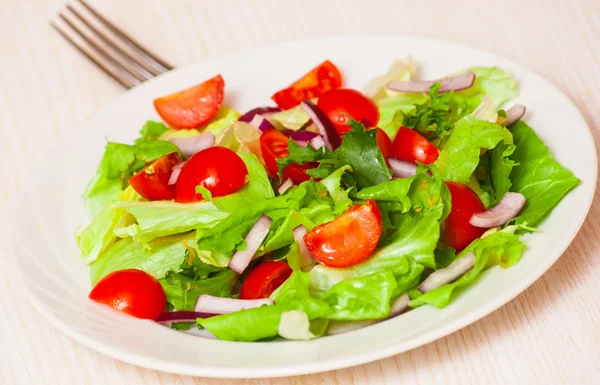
(400, 305)
(175, 171)
(264, 111)
(509, 207)
(285, 186)
(254, 239)
(190, 146)
(303, 136)
(514, 113)
(261, 123)
(448, 274)
(454, 83)
(307, 262)
(330, 136)
(182, 316)
(218, 305)
(317, 142)
(402, 168)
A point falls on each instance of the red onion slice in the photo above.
(402, 168)
(400, 305)
(303, 136)
(454, 83)
(182, 316)
(317, 142)
(509, 207)
(285, 186)
(514, 113)
(261, 123)
(175, 171)
(218, 305)
(307, 262)
(254, 239)
(264, 111)
(448, 274)
(194, 144)
(330, 136)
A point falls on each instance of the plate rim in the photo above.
(455, 324)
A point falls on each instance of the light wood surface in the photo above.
(550, 334)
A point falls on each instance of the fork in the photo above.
(108, 47)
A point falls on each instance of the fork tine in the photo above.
(123, 78)
(146, 69)
(159, 64)
(140, 78)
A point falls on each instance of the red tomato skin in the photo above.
(153, 181)
(384, 143)
(349, 239)
(218, 169)
(264, 279)
(132, 291)
(411, 146)
(458, 232)
(341, 104)
(320, 79)
(274, 145)
(194, 106)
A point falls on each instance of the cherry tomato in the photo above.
(265, 279)
(218, 169)
(458, 232)
(153, 181)
(384, 143)
(194, 106)
(344, 103)
(411, 146)
(133, 291)
(349, 239)
(322, 78)
(274, 145)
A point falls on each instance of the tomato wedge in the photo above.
(218, 169)
(274, 145)
(342, 104)
(323, 77)
(194, 106)
(349, 239)
(132, 291)
(411, 146)
(384, 143)
(265, 279)
(153, 181)
(458, 232)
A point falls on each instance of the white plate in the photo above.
(51, 209)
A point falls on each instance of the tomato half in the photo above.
(384, 143)
(194, 106)
(411, 146)
(458, 232)
(274, 145)
(218, 169)
(323, 77)
(153, 181)
(132, 291)
(349, 239)
(265, 279)
(344, 103)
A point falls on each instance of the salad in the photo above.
(333, 210)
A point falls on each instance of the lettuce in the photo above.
(292, 119)
(161, 256)
(539, 177)
(459, 155)
(500, 248)
(224, 118)
(498, 84)
(295, 325)
(376, 88)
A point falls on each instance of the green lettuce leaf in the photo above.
(295, 325)
(459, 155)
(292, 119)
(361, 298)
(333, 184)
(182, 290)
(93, 239)
(225, 117)
(498, 84)
(161, 256)
(401, 70)
(539, 177)
(151, 131)
(499, 248)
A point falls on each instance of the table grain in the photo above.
(550, 334)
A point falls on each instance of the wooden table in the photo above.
(550, 334)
